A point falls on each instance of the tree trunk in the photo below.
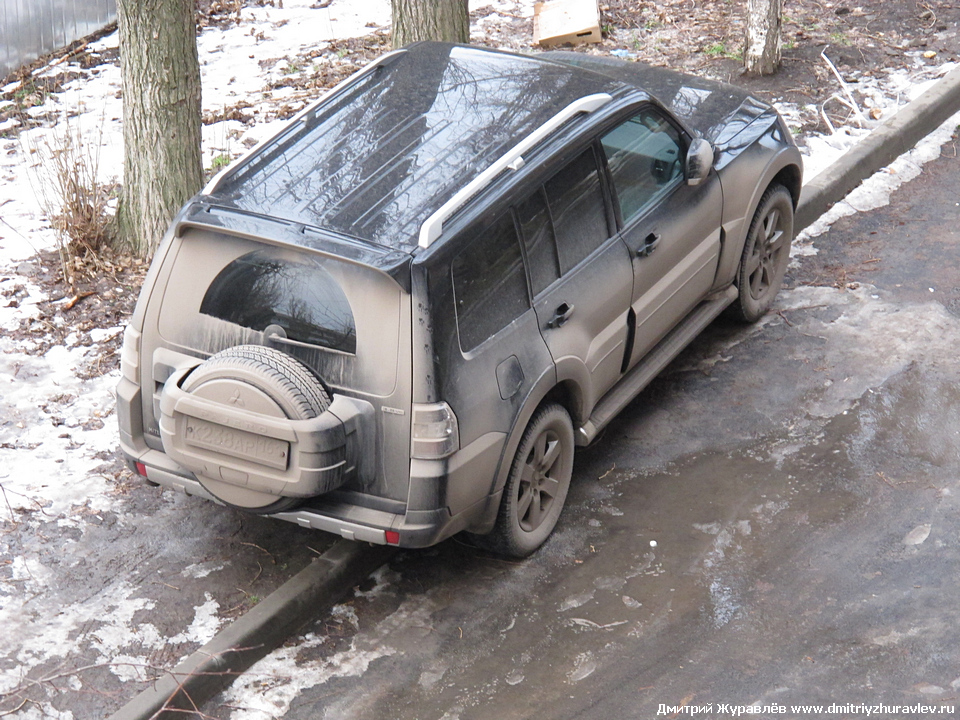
(160, 73)
(761, 53)
(415, 20)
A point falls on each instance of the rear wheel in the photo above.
(766, 254)
(537, 485)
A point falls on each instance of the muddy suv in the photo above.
(395, 319)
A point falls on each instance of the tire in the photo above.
(536, 486)
(285, 379)
(766, 254)
(290, 389)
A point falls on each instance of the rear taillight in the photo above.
(130, 355)
(435, 432)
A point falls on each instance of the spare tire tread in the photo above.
(285, 373)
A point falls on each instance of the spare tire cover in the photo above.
(260, 380)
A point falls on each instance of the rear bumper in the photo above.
(415, 529)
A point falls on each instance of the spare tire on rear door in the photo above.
(237, 422)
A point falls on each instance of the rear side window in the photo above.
(489, 283)
(537, 232)
(577, 208)
(260, 289)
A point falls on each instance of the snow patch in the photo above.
(875, 191)
(878, 337)
(575, 601)
(201, 570)
(104, 623)
(204, 626)
(583, 667)
(266, 691)
(918, 535)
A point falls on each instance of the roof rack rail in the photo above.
(432, 227)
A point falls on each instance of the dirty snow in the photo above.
(55, 429)
(918, 330)
(107, 620)
(918, 535)
(875, 191)
(885, 95)
(205, 623)
(266, 693)
(272, 684)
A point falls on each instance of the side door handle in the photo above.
(650, 243)
(561, 315)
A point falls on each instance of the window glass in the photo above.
(576, 206)
(489, 282)
(261, 289)
(538, 238)
(644, 156)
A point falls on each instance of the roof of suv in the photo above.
(379, 157)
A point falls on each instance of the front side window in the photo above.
(262, 288)
(644, 155)
(489, 283)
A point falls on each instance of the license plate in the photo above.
(237, 443)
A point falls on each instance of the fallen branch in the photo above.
(72, 302)
(18, 708)
(861, 118)
(883, 477)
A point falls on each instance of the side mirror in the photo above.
(699, 161)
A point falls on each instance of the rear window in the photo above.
(489, 283)
(260, 289)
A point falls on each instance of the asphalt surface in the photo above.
(776, 520)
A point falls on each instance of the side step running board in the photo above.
(656, 360)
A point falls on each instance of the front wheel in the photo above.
(537, 485)
(765, 254)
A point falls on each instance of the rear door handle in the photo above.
(561, 315)
(650, 243)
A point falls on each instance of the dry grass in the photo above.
(77, 203)
(83, 220)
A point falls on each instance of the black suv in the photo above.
(395, 319)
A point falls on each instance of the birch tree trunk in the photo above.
(761, 52)
(415, 20)
(160, 76)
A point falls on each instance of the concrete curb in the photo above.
(881, 147)
(213, 667)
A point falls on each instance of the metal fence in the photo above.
(31, 28)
